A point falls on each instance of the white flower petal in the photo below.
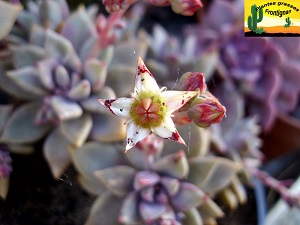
(167, 130)
(118, 106)
(135, 134)
(144, 80)
(176, 99)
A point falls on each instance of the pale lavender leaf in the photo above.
(151, 211)
(21, 126)
(95, 71)
(118, 179)
(129, 212)
(81, 90)
(27, 55)
(64, 108)
(27, 78)
(77, 130)
(144, 179)
(56, 153)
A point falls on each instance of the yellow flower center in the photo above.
(148, 110)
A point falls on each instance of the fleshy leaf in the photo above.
(5, 112)
(9, 86)
(151, 211)
(91, 185)
(95, 71)
(129, 212)
(189, 196)
(27, 55)
(175, 165)
(21, 127)
(211, 174)
(9, 13)
(59, 47)
(172, 185)
(77, 130)
(105, 210)
(121, 78)
(27, 78)
(81, 90)
(4, 186)
(91, 104)
(94, 156)
(78, 28)
(20, 148)
(117, 179)
(209, 209)
(65, 109)
(56, 153)
(192, 217)
(144, 179)
(107, 128)
(197, 140)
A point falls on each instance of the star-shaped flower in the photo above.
(149, 109)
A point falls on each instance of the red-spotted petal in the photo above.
(135, 134)
(144, 80)
(176, 99)
(167, 130)
(118, 106)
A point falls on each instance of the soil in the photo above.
(36, 198)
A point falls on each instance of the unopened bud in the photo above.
(185, 7)
(206, 110)
(192, 81)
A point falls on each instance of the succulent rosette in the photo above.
(153, 184)
(169, 56)
(59, 77)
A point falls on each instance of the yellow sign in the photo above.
(272, 18)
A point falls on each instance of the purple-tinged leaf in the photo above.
(129, 212)
(64, 108)
(81, 90)
(151, 211)
(144, 179)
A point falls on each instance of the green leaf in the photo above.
(192, 217)
(21, 127)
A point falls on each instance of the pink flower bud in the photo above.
(181, 116)
(185, 7)
(191, 81)
(206, 110)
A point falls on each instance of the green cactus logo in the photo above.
(288, 22)
(253, 20)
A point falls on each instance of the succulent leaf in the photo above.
(91, 185)
(129, 212)
(91, 104)
(104, 128)
(21, 126)
(27, 55)
(9, 13)
(211, 174)
(144, 179)
(57, 160)
(175, 165)
(81, 90)
(4, 185)
(94, 156)
(95, 71)
(117, 179)
(172, 185)
(5, 112)
(188, 197)
(151, 211)
(64, 108)
(102, 213)
(78, 27)
(77, 130)
(192, 217)
(27, 78)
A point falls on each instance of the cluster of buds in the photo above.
(204, 109)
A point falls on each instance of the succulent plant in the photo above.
(5, 170)
(151, 184)
(59, 76)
